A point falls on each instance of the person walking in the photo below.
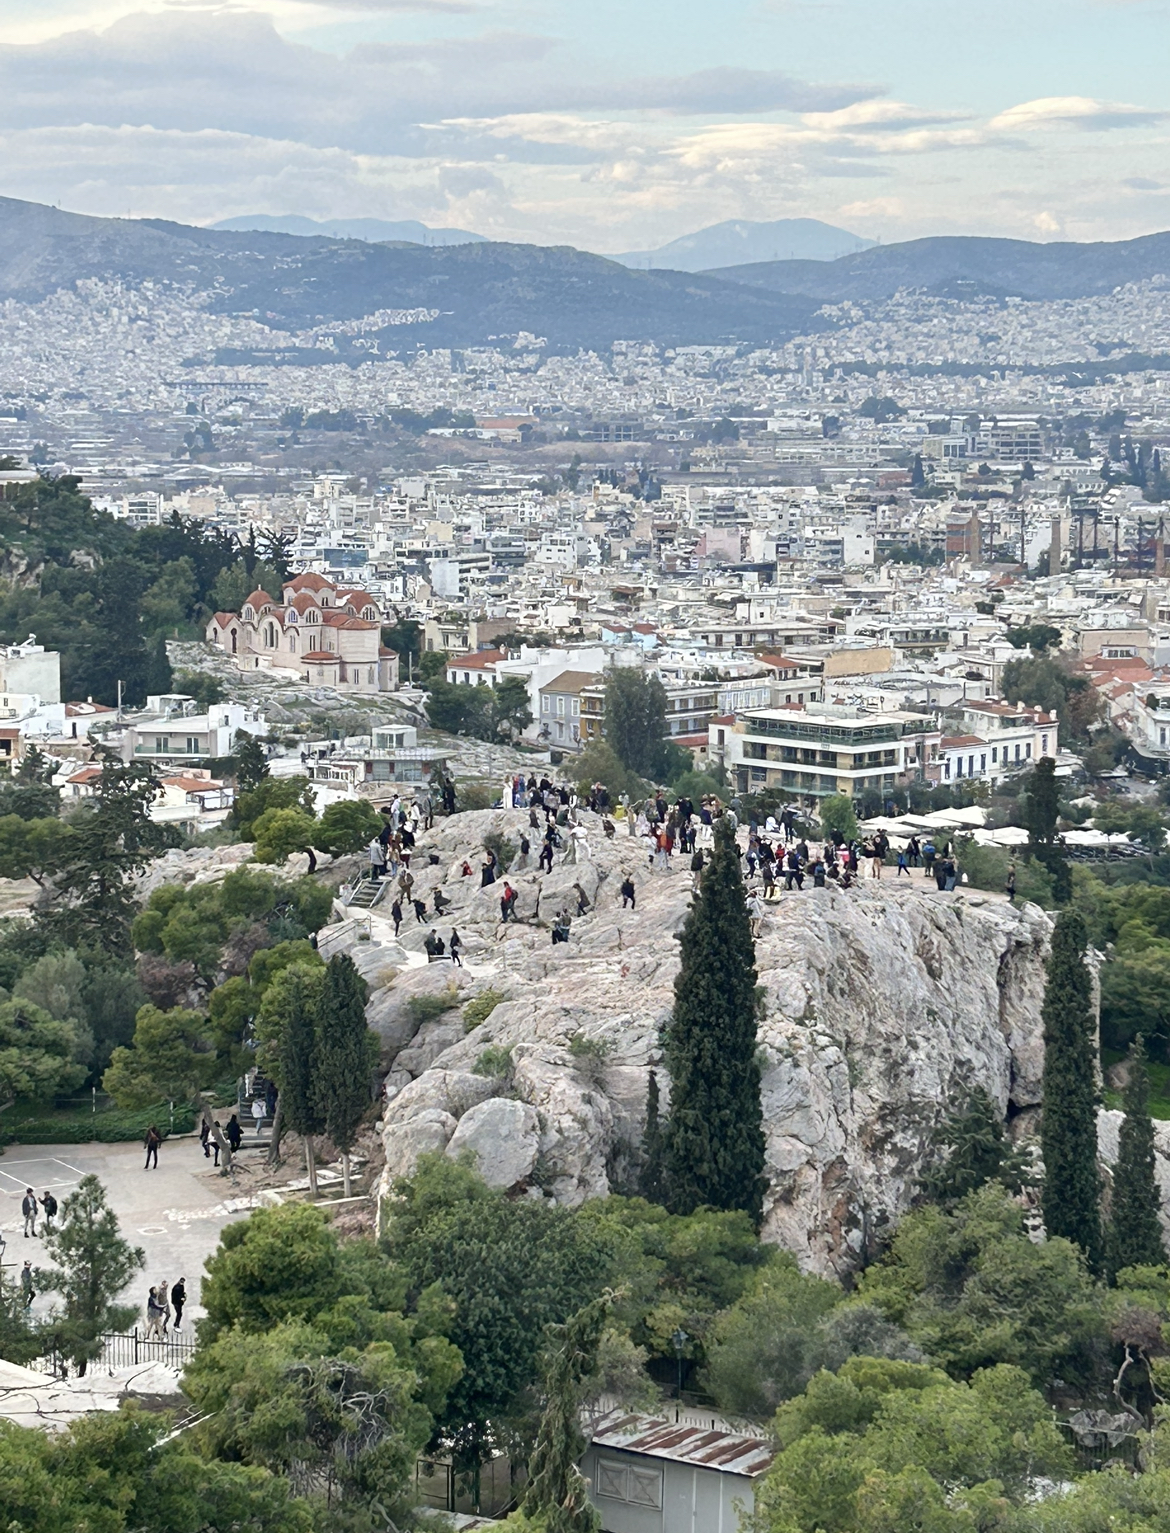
(215, 1143)
(453, 947)
(49, 1205)
(629, 894)
(26, 1285)
(421, 915)
(235, 1133)
(29, 1207)
(755, 913)
(1010, 885)
(178, 1301)
(258, 1114)
(903, 865)
(915, 850)
(508, 903)
(929, 854)
(205, 1138)
(155, 1313)
(396, 915)
(152, 1142)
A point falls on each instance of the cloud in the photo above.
(1144, 184)
(1073, 111)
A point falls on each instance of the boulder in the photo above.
(504, 1137)
(405, 1140)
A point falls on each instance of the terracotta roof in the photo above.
(309, 581)
(571, 681)
(224, 618)
(193, 784)
(478, 660)
(258, 599)
(318, 656)
(303, 602)
(953, 742)
(84, 710)
(87, 774)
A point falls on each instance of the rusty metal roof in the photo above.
(728, 1452)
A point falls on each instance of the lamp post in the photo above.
(680, 1339)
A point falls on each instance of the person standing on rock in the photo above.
(453, 947)
(545, 860)
(420, 912)
(522, 861)
(755, 913)
(377, 854)
(928, 856)
(508, 903)
(696, 870)
(629, 894)
(396, 915)
(487, 873)
(1010, 885)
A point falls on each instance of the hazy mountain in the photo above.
(483, 292)
(958, 267)
(376, 229)
(738, 241)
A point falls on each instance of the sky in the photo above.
(612, 125)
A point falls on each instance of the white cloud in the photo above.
(1075, 111)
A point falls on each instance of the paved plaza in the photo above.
(175, 1213)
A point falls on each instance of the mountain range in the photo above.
(959, 266)
(483, 293)
(370, 229)
(487, 292)
(739, 241)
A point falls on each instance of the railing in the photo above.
(129, 1349)
(333, 939)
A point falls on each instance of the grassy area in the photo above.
(1159, 1084)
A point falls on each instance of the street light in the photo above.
(680, 1339)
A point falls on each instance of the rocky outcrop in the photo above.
(878, 1003)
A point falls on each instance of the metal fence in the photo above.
(133, 1349)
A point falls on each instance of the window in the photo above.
(1028, 750)
(192, 745)
(370, 676)
(946, 769)
(994, 754)
(634, 1483)
(1017, 752)
(1044, 745)
(970, 766)
(958, 766)
(983, 763)
(162, 744)
(546, 705)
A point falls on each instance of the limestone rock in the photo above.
(879, 1003)
(504, 1137)
(405, 1140)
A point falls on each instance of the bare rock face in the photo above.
(502, 1136)
(879, 1002)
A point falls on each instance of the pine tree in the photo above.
(94, 1266)
(714, 1136)
(1068, 1125)
(652, 1180)
(558, 1495)
(1134, 1237)
(347, 1055)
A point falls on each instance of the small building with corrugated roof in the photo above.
(647, 1474)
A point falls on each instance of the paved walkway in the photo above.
(175, 1213)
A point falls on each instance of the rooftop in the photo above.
(728, 1452)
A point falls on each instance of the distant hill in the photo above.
(483, 292)
(376, 229)
(959, 266)
(739, 240)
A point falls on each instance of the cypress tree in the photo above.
(714, 1136)
(1134, 1237)
(557, 1495)
(299, 1049)
(1068, 1125)
(652, 1181)
(347, 1055)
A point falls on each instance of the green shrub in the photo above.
(426, 1008)
(986, 867)
(494, 1063)
(480, 1008)
(590, 1055)
(473, 795)
(505, 850)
